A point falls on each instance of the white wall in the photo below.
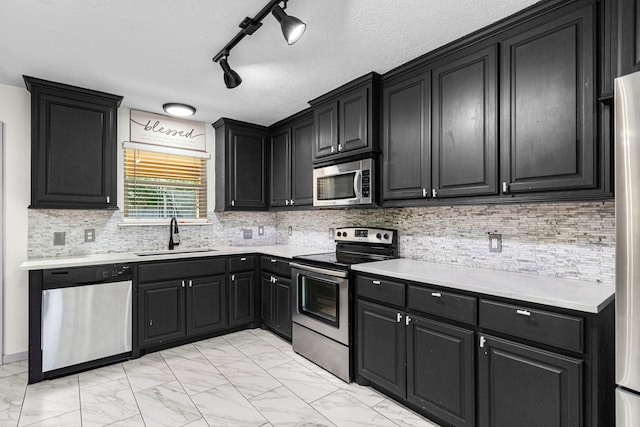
(15, 112)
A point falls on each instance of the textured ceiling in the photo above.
(157, 51)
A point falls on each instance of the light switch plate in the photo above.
(58, 238)
(495, 242)
(331, 233)
(290, 231)
(260, 230)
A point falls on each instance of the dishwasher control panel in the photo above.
(78, 276)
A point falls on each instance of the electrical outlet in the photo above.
(495, 242)
(58, 238)
(260, 230)
(89, 235)
(247, 233)
(290, 231)
(331, 233)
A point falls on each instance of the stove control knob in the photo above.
(386, 236)
(344, 234)
(339, 233)
(379, 236)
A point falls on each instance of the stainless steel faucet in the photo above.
(174, 234)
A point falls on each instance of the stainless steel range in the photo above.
(323, 291)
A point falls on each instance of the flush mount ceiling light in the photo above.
(179, 110)
(292, 30)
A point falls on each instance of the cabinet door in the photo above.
(280, 168)
(406, 152)
(247, 168)
(526, 387)
(382, 347)
(464, 131)
(547, 105)
(206, 305)
(629, 38)
(73, 148)
(160, 313)
(352, 123)
(325, 118)
(283, 306)
(302, 162)
(267, 303)
(440, 370)
(241, 298)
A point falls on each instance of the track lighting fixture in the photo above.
(231, 78)
(292, 30)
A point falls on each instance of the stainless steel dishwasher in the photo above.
(86, 316)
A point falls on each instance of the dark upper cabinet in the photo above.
(291, 163)
(406, 148)
(465, 124)
(628, 36)
(346, 120)
(547, 105)
(241, 166)
(527, 387)
(73, 146)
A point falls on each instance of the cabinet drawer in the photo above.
(444, 304)
(170, 270)
(381, 290)
(242, 263)
(546, 327)
(275, 265)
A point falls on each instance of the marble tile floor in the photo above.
(248, 378)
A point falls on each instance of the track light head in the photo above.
(231, 78)
(292, 27)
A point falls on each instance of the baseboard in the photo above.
(15, 357)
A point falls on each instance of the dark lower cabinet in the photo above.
(527, 387)
(441, 370)
(241, 298)
(381, 347)
(161, 313)
(206, 305)
(276, 303)
(176, 309)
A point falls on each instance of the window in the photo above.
(164, 185)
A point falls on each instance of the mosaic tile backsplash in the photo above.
(569, 240)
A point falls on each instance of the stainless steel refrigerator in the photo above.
(627, 167)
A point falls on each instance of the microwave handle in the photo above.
(357, 184)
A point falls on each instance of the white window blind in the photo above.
(164, 185)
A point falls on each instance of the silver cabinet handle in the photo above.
(376, 282)
(292, 201)
(339, 147)
(483, 340)
(434, 193)
(191, 283)
(108, 199)
(151, 322)
(274, 260)
(424, 192)
(436, 294)
(183, 283)
(233, 203)
(523, 312)
(407, 319)
(243, 259)
(398, 317)
(333, 149)
(233, 277)
(505, 187)
(286, 202)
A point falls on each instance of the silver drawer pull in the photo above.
(376, 282)
(398, 317)
(274, 260)
(436, 294)
(243, 259)
(523, 312)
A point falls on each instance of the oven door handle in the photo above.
(343, 274)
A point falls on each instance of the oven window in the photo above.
(319, 299)
(336, 187)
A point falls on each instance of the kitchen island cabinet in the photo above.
(73, 146)
(426, 333)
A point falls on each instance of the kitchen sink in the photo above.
(175, 251)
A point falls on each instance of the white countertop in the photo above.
(283, 251)
(578, 295)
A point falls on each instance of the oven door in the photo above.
(321, 298)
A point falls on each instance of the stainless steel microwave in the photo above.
(344, 184)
